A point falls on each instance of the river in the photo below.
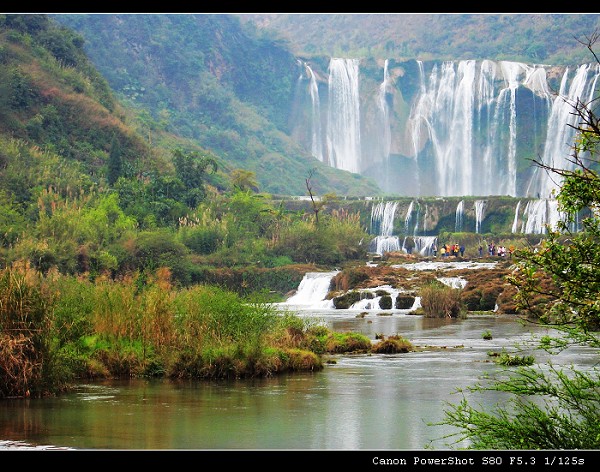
(357, 402)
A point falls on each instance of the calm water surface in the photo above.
(359, 402)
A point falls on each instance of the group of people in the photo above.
(449, 250)
(501, 251)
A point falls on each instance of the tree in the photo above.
(317, 206)
(191, 168)
(558, 285)
(244, 180)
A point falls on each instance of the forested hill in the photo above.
(53, 98)
(209, 79)
(530, 38)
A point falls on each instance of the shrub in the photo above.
(385, 302)
(405, 302)
(440, 301)
(393, 345)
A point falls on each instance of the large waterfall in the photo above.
(343, 125)
(454, 128)
(560, 136)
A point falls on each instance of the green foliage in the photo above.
(12, 222)
(191, 169)
(338, 237)
(159, 248)
(115, 164)
(564, 416)
(230, 92)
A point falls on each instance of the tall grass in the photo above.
(24, 321)
(55, 328)
(441, 301)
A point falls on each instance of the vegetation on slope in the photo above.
(206, 79)
(530, 38)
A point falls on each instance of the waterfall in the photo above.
(479, 214)
(458, 223)
(317, 140)
(408, 217)
(464, 132)
(383, 106)
(313, 290)
(416, 228)
(382, 218)
(516, 220)
(418, 122)
(540, 213)
(424, 244)
(382, 224)
(486, 94)
(561, 132)
(343, 122)
(383, 177)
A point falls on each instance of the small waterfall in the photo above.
(516, 220)
(382, 224)
(312, 290)
(343, 122)
(382, 218)
(458, 220)
(408, 217)
(454, 282)
(540, 213)
(424, 244)
(480, 206)
(416, 228)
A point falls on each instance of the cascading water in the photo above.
(386, 138)
(480, 206)
(343, 117)
(424, 244)
(561, 129)
(462, 133)
(408, 217)
(516, 219)
(458, 220)
(313, 290)
(538, 214)
(382, 224)
(317, 139)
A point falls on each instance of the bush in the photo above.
(405, 302)
(385, 302)
(440, 301)
(393, 345)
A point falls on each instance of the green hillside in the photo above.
(525, 37)
(208, 79)
(87, 188)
